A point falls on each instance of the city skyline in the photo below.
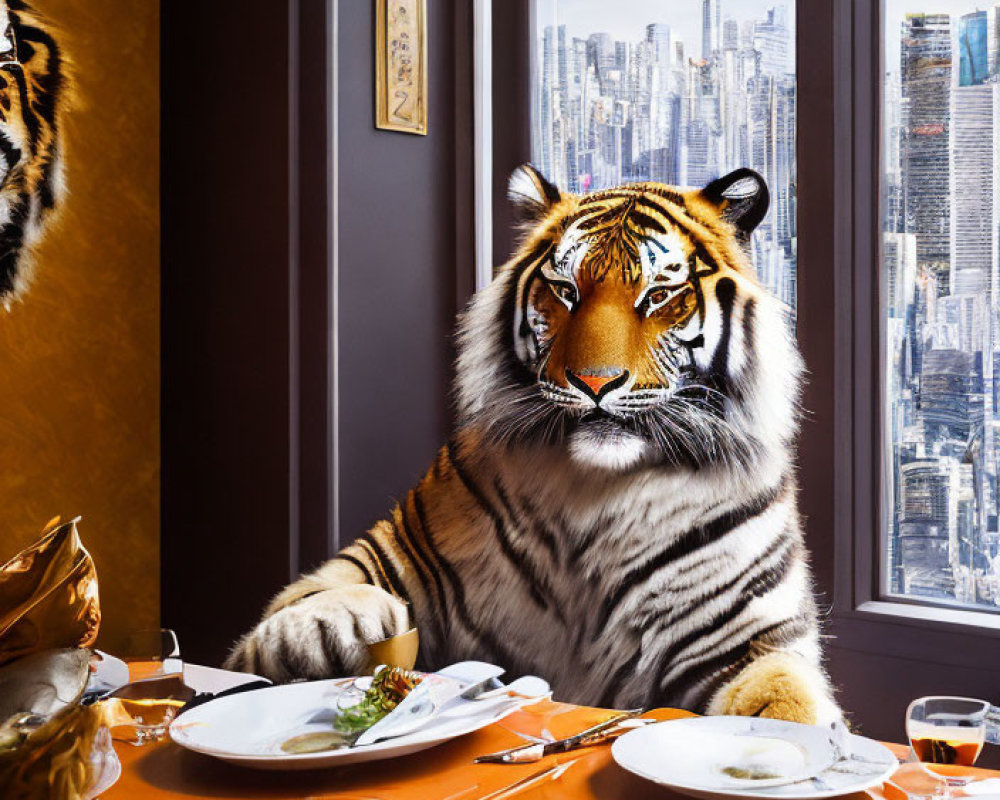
(942, 340)
(630, 18)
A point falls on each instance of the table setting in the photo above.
(78, 723)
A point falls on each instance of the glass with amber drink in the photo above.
(142, 710)
(948, 733)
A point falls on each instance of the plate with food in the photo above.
(749, 757)
(344, 721)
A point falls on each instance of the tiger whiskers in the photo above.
(534, 416)
(558, 394)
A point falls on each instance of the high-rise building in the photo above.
(711, 28)
(973, 212)
(730, 35)
(562, 68)
(899, 264)
(925, 85)
(659, 40)
(601, 52)
(772, 41)
(924, 540)
(973, 49)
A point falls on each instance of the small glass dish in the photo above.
(946, 736)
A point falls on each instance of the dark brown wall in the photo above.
(225, 318)
(397, 271)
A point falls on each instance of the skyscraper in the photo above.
(711, 28)
(659, 40)
(730, 35)
(926, 74)
(973, 49)
(771, 40)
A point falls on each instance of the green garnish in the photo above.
(389, 686)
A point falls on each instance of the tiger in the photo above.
(35, 91)
(616, 509)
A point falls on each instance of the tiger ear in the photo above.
(741, 197)
(531, 195)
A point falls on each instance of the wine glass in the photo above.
(152, 653)
(947, 734)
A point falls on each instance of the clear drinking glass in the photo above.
(141, 711)
(152, 653)
(948, 733)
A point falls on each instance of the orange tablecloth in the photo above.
(446, 772)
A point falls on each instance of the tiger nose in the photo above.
(596, 386)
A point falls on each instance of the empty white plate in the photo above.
(249, 728)
(711, 757)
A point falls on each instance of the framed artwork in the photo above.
(401, 65)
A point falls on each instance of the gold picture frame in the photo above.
(401, 65)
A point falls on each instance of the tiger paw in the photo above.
(778, 686)
(324, 635)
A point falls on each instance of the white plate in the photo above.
(249, 728)
(688, 756)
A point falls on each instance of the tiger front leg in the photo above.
(322, 635)
(778, 685)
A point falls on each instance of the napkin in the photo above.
(51, 745)
(48, 595)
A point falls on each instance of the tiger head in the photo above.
(630, 329)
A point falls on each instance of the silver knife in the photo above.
(534, 752)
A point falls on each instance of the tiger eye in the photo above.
(679, 308)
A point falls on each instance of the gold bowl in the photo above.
(396, 651)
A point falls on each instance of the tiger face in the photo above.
(634, 326)
(614, 313)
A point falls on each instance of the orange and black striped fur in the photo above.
(33, 95)
(616, 511)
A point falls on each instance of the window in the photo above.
(678, 92)
(941, 125)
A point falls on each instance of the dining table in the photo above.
(165, 771)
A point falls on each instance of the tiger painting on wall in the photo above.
(34, 93)
(616, 510)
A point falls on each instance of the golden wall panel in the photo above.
(79, 355)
